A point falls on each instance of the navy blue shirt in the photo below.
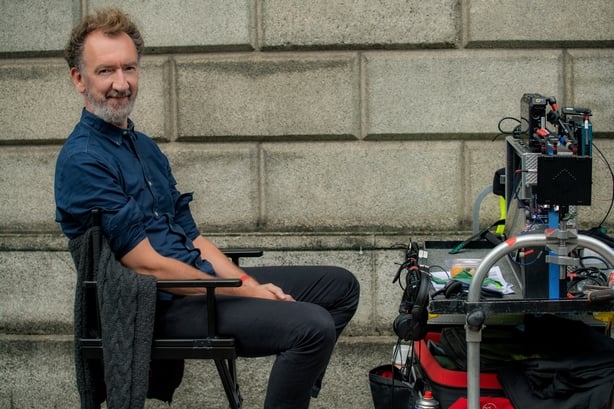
(124, 174)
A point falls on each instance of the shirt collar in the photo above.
(110, 131)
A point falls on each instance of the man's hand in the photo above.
(268, 291)
(277, 292)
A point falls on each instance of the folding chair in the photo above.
(220, 349)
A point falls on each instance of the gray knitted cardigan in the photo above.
(126, 301)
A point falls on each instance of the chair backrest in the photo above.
(92, 320)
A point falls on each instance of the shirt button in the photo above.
(156, 214)
(149, 182)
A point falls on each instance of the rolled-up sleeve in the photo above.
(125, 228)
(183, 215)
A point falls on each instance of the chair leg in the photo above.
(227, 372)
(232, 370)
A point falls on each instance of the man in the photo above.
(294, 313)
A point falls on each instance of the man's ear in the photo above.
(77, 79)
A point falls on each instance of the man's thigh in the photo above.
(260, 327)
(322, 285)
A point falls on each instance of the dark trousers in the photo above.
(301, 334)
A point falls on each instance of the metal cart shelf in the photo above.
(476, 309)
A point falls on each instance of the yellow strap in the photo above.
(502, 211)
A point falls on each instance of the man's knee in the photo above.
(318, 328)
(347, 285)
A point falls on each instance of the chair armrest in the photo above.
(208, 283)
(236, 254)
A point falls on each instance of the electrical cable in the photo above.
(439, 267)
(516, 132)
(396, 350)
(602, 260)
(612, 176)
(582, 278)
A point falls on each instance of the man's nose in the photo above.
(120, 82)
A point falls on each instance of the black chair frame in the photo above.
(220, 349)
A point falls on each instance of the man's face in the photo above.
(108, 76)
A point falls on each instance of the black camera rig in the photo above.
(549, 159)
(548, 173)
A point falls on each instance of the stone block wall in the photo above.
(321, 131)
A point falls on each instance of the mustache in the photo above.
(118, 94)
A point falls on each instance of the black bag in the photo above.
(389, 392)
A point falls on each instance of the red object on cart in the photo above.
(485, 403)
(450, 385)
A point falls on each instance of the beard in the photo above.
(109, 110)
